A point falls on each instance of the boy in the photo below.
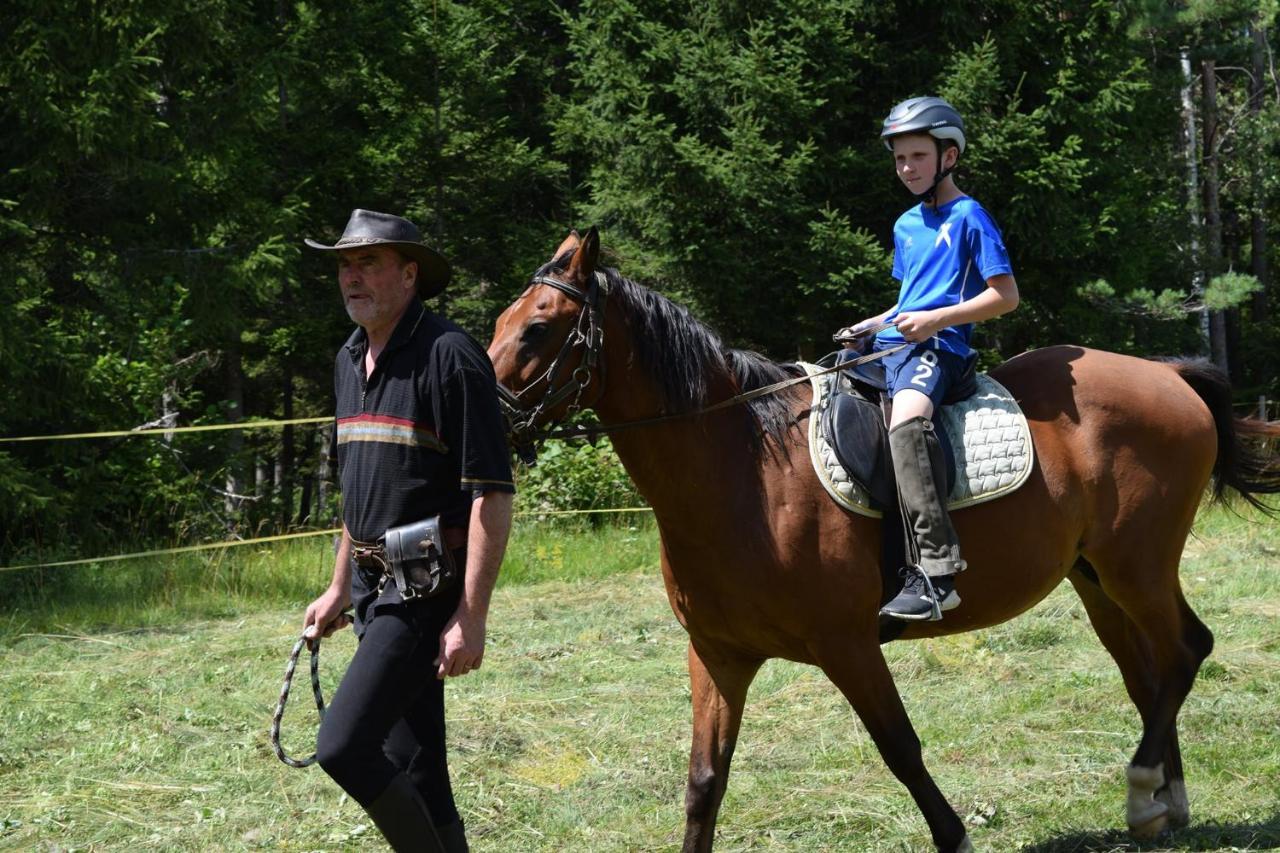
(951, 260)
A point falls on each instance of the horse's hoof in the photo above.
(1152, 826)
(965, 846)
(1174, 795)
(1147, 816)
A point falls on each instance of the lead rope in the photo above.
(284, 697)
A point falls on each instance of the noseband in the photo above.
(588, 333)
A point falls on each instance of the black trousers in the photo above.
(387, 715)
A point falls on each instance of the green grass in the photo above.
(226, 583)
(145, 727)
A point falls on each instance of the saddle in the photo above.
(982, 431)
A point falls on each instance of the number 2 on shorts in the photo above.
(924, 369)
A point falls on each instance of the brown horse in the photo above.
(759, 563)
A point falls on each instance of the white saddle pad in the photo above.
(988, 433)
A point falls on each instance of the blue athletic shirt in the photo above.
(943, 259)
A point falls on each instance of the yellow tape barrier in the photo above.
(186, 549)
(125, 433)
(182, 550)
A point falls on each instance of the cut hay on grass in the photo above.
(575, 734)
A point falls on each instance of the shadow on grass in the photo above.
(1264, 835)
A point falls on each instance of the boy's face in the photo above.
(915, 156)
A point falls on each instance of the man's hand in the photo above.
(917, 326)
(324, 615)
(461, 644)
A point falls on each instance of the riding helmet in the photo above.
(930, 115)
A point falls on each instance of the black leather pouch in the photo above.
(418, 559)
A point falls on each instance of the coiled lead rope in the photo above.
(284, 697)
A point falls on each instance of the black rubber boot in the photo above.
(402, 818)
(919, 466)
(453, 836)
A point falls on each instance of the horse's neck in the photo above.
(685, 464)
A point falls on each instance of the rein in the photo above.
(520, 420)
(746, 396)
(284, 697)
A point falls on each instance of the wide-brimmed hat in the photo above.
(370, 228)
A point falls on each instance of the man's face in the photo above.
(377, 283)
(915, 156)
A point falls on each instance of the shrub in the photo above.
(575, 477)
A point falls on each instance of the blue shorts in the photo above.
(932, 372)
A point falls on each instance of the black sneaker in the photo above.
(922, 597)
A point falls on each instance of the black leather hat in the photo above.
(370, 228)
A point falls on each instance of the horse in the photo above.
(759, 563)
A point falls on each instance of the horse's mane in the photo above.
(682, 354)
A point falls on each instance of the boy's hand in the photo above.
(917, 326)
(852, 337)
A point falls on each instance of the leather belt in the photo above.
(371, 555)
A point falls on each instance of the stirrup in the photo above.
(935, 613)
(915, 577)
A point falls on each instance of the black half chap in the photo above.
(387, 715)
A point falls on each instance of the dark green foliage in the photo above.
(576, 476)
(161, 163)
(725, 151)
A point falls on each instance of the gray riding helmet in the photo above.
(930, 115)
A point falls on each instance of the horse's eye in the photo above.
(534, 332)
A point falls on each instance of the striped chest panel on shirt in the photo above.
(385, 429)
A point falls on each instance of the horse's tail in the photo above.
(1250, 468)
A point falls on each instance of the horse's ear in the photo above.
(583, 265)
(570, 243)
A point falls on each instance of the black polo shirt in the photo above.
(423, 434)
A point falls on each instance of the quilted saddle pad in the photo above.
(988, 434)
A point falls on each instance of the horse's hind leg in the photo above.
(719, 686)
(860, 671)
(1158, 644)
(1129, 649)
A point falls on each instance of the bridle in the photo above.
(588, 334)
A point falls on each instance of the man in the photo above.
(419, 435)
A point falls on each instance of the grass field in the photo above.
(135, 700)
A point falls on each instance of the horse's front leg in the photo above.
(719, 686)
(858, 668)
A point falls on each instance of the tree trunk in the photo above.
(286, 451)
(235, 438)
(322, 469)
(1193, 191)
(1212, 215)
(262, 488)
(1232, 316)
(1258, 216)
(169, 411)
(287, 458)
(308, 481)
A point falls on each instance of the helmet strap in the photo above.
(930, 196)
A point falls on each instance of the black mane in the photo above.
(681, 354)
